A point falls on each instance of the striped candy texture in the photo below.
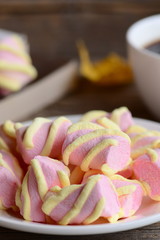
(89, 145)
(42, 137)
(43, 174)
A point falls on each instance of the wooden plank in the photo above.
(78, 6)
(53, 37)
(136, 234)
(88, 96)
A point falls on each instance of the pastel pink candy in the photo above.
(16, 66)
(140, 143)
(10, 179)
(146, 169)
(7, 142)
(122, 117)
(130, 194)
(135, 130)
(43, 174)
(12, 163)
(46, 139)
(97, 149)
(93, 115)
(84, 203)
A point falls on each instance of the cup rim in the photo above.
(142, 50)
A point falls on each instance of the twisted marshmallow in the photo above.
(93, 115)
(84, 203)
(43, 174)
(10, 179)
(130, 194)
(135, 130)
(122, 117)
(16, 68)
(8, 137)
(140, 143)
(43, 137)
(90, 146)
(146, 168)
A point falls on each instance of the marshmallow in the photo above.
(16, 69)
(10, 179)
(105, 149)
(93, 115)
(43, 174)
(84, 203)
(130, 193)
(146, 168)
(42, 137)
(140, 143)
(122, 117)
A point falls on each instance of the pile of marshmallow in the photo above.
(61, 172)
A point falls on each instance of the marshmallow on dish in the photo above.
(122, 117)
(16, 69)
(92, 147)
(42, 137)
(84, 203)
(93, 115)
(135, 130)
(140, 143)
(43, 174)
(130, 193)
(10, 179)
(8, 137)
(146, 168)
(107, 123)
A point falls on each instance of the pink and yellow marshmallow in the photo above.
(16, 69)
(84, 203)
(93, 115)
(92, 147)
(130, 194)
(135, 130)
(139, 143)
(146, 168)
(10, 179)
(120, 116)
(8, 137)
(43, 174)
(42, 137)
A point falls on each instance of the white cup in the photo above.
(146, 64)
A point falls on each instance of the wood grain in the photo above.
(53, 27)
(87, 96)
(53, 37)
(79, 6)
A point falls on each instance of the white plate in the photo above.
(148, 213)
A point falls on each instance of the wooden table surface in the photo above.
(53, 28)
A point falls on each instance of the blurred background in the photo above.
(54, 26)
